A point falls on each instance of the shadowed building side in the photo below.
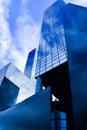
(75, 26)
(8, 94)
(31, 114)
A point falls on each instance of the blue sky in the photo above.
(20, 23)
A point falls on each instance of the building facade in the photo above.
(61, 63)
(29, 63)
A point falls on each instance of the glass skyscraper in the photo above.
(52, 46)
(29, 64)
(52, 53)
(14, 86)
(61, 63)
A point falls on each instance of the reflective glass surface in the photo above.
(16, 77)
(58, 120)
(52, 46)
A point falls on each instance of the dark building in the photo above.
(62, 65)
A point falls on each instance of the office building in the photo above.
(14, 86)
(29, 64)
(61, 64)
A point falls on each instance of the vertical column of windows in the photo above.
(49, 47)
(58, 120)
(38, 61)
(55, 60)
(61, 48)
(43, 55)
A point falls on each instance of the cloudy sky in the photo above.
(20, 23)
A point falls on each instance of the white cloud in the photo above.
(78, 2)
(26, 34)
(5, 35)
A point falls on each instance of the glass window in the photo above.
(49, 60)
(54, 49)
(63, 129)
(55, 64)
(55, 61)
(36, 74)
(60, 48)
(48, 68)
(52, 115)
(55, 54)
(48, 56)
(44, 58)
(63, 123)
(63, 115)
(43, 63)
(38, 62)
(60, 44)
(60, 51)
(63, 60)
(37, 70)
(42, 68)
(48, 51)
(52, 123)
(52, 128)
(55, 58)
(63, 53)
(49, 64)
(42, 71)
(37, 65)
(62, 57)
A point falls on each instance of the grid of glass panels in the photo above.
(52, 46)
(58, 120)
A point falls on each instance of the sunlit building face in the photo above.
(52, 46)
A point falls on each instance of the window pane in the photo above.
(52, 123)
(63, 115)
(63, 123)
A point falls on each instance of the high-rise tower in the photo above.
(61, 62)
(52, 46)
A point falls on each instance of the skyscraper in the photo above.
(52, 46)
(14, 86)
(61, 63)
(29, 63)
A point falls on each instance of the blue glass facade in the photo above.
(15, 76)
(58, 120)
(29, 63)
(52, 45)
(61, 61)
